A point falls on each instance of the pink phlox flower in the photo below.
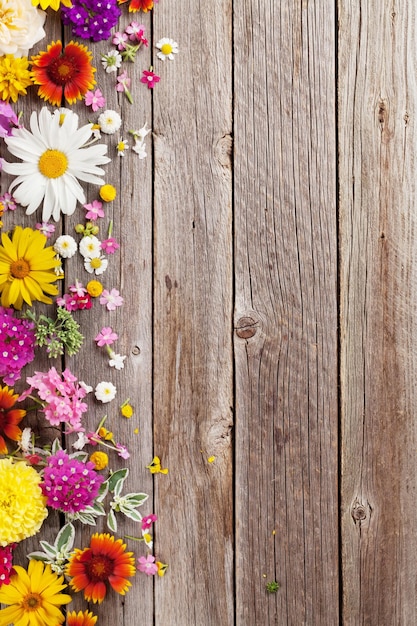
(46, 228)
(147, 565)
(95, 99)
(123, 82)
(136, 33)
(106, 336)
(148, 520)
(119, 40)
(8, 119)
(94, 210)
(68, 301)
(150, 78)
(122, 451)
(17, 345)
(8, 202)
(78, 289)
(109, 245)
(111, 299)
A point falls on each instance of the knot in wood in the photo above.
(358, 512)
(136, 350)
(246, 327)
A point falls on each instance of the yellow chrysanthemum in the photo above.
(14, 77)
(27, 268)
(22, 505)
(33, 597)
(94, 288)
(53, 4)
(100, 460)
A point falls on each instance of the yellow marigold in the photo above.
(14, 77)
(22, 505)
(100, 460)
(107, 193)
(94, 288)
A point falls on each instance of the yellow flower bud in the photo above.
(107, 193)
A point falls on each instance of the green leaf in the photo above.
(103, 491)
(86, 518)
(112, 521)
(65, 538)
(131, 514)
(116, 480)
(38, 556)
(135, 499)
(49, 550)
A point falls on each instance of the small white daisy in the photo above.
(111, 61)
(105, 392)
(121, 147)
(90, 246)
(109, 122)
(96, 265)
(167, 48)
(65, 246)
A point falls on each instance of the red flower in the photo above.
(64, 72)
(85, 618)
(139, 5)
(105, 561)
(9, 417)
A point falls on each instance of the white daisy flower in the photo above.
(97, 265)
(109, 122)
(105, 392)
(52, 160)
(66, 246)
(121, 147)
(167, 49)
(111, 61)
(90, 246)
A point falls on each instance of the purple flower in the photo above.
(8, 119)
(91, 19)
(17, 345)
(68, 484)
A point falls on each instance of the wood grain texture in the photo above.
(377, 104)
(285, 313)
(193, 381)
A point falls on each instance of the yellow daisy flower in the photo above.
(53, 4)
(33, 596)
(14, 77)
(27, 268)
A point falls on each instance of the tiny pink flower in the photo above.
(122, 451)
(8, 202)
(119, 40)
(148, 520)
(147, 565)
(111, 299)
(94, 210)
(95, 99)
(106, 337)
(150, 79)
(78, 289)
(109, 245)
(136, 32)
(45, 228)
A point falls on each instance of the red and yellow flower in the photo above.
(105, 561)
(63, 72)
(9, 417)
(82, 618)
(139, 5)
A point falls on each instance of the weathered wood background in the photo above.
(268, 268)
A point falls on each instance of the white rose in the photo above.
(21, 26)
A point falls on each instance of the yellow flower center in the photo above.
(166, 48)
(53, 164)
(95, 263)
(32, 601)
(19, 268)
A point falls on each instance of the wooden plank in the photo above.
(377, 103)
(286, 313)
(193, 382)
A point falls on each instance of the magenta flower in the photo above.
(147, 565)
(109, 245)
(94, 210)
(6, 563)
(150, 78)
(17, 345)
(95, 99)
(111, 299)
(148, 520)
(68, 484)
(106, 337)
(46, 228)
(123, 84)
(8, 119)
(136, 33)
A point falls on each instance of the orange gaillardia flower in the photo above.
(139, 5)
(9, 417)
(85, 618)
(64, 72)
(105, 561)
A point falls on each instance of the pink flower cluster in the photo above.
(69, 484)
(77, 299)
(17, 345)
(63, 397)
(6, 563)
